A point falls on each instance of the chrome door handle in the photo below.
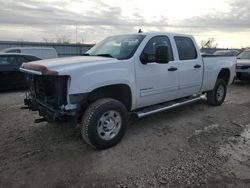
(197, 66)
(172, 69)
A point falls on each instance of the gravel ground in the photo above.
(192, 146)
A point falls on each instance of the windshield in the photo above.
(244, 55)
(119, 47)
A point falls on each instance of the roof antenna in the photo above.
(140, 31)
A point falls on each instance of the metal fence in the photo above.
(63, 50)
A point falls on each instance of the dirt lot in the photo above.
(192, 146)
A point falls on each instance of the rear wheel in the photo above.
(217, 96)
(104, 123)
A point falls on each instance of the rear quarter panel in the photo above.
(212, 67)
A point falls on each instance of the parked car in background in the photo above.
(10, 76)
(40, 52)
(226, 52)
(243, 65)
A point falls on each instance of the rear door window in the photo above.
(186, 48)
(8, 61)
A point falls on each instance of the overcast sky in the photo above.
(228, 21)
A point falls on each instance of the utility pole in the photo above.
(76, 33)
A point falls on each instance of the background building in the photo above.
(62, 49)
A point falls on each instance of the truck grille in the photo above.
(243, 67)
(50, 90)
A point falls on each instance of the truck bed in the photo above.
(214, 63)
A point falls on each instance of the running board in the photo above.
(167, 106)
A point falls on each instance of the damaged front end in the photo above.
(48, 95)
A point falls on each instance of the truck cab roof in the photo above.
(153, 33)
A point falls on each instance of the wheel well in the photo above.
(224, 74)
(120, 92)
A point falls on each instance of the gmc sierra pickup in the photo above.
(138, 74)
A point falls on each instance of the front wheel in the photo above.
(104, 123)
(217, 96)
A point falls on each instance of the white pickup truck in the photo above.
(138, 74)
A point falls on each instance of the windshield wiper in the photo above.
(105, 55)
(86, 54)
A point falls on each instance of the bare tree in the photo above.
(63, 39)
(209, 43)
(58, 39)
(48, 40)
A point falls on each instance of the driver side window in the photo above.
(150, 47)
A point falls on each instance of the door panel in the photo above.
(191, 67)
(190, 77)
(156, 83)
(155, 79)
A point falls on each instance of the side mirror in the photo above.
(161, 54)
(144, 58)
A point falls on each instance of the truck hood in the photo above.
(61, 65)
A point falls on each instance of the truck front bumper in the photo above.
(243, 71)
(48, 112)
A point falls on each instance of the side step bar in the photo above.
(166, 106)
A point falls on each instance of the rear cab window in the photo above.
(186, 48)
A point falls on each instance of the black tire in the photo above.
(91, 123)
(213, 97)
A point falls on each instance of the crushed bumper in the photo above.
(48, 95)
(48, 112)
